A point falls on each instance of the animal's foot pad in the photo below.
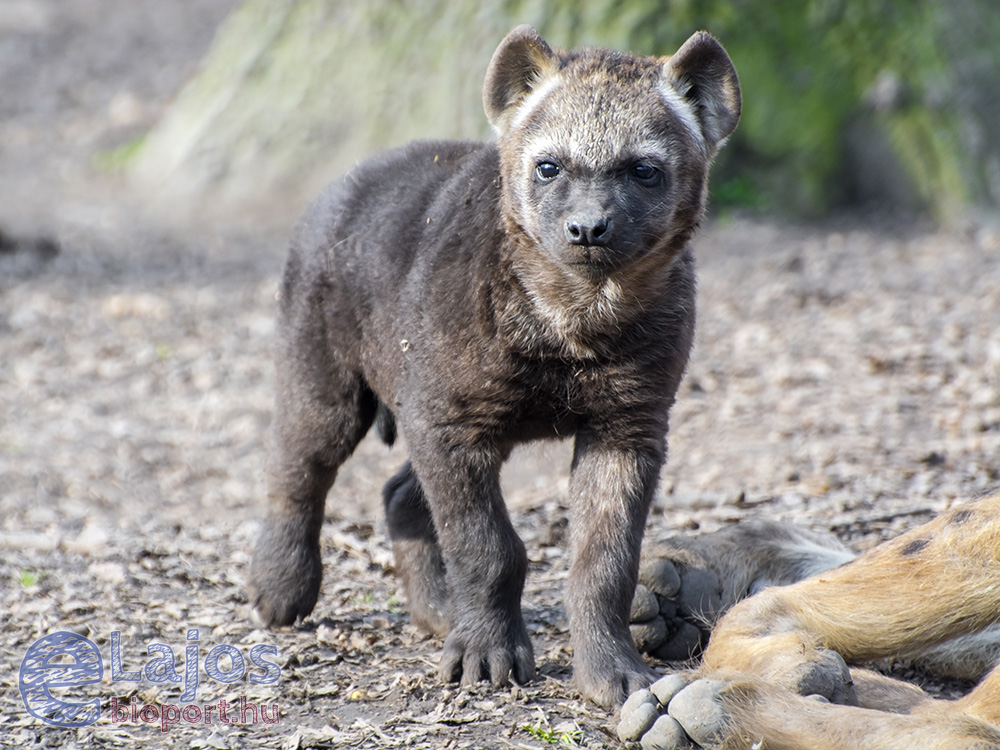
(674, 608)
(687, 583)
(675, 714)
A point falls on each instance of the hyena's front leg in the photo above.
(930, 585)
(485, 562)
(610, 488)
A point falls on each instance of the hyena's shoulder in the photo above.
(394, 201)
(411, 178)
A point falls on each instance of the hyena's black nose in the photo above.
(588, 230)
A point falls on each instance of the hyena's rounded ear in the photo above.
(519, 64)
(702, 73)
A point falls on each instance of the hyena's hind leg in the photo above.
(323, 409)
(740, 712)
(419, 563)
(687, 583)
(312, 438)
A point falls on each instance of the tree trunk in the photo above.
(843, 101)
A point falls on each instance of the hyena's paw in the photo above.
(422, 573)
(687, 583)
(676, 713)
(824, 675)
(474, 654)
(285, 574)
(674, 608)
(607, 673)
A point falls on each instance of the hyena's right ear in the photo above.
(702, 73)
(521, 62)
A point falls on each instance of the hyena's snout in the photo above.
(589, 229)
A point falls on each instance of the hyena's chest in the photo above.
(539, 400)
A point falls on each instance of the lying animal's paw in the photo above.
(828, 676)
(675, 714)
(674, 608)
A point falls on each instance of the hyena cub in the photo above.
(482, 295)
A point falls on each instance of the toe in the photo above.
(660, 576)
(638, 715)
(698, 710)
(666, 734)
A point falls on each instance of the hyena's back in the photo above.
(390, 216)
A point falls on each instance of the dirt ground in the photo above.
(846, 375)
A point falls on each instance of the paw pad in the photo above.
(673, 608)
(638, 715)
(675, 714)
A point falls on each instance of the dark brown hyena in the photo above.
(482, 295)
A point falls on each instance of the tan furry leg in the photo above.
(771, 718)
(984, 701)
(771, 651)
(929, 585)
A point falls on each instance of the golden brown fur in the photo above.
(930, 585)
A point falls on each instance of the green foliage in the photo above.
(29, 578)
(542, 730)
(394, 603)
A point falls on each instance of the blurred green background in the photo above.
(894, 103)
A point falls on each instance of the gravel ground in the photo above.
(845, 375)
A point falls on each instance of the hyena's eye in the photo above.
(547, 171)
(646, 173)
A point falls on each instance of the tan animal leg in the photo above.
(984, 701)
(921, 589)
(762, 716)
(772, 650)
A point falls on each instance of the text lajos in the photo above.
(162, 668)
(56, 664)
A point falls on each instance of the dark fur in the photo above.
(437, 289)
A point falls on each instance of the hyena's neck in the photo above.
(583, 317)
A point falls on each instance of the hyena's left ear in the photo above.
(521, 62)
(702, 73)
